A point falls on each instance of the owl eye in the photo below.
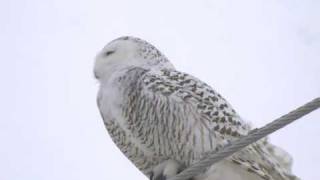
(109, 53)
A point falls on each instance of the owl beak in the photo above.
(96, 75)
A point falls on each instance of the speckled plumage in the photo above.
(155, 113)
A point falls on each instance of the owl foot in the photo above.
(165, 170)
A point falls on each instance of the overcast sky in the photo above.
(262, 56)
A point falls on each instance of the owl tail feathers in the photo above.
(283, 158)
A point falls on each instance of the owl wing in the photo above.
(177, 116)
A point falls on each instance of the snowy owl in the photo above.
(163, 120)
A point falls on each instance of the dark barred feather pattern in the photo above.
(166, 114)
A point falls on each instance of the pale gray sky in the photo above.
(263, 56)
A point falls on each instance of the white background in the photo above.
(263, 56)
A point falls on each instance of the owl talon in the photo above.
(165, 170)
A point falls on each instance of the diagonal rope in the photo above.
(244, 141)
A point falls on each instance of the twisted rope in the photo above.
(244, 141)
